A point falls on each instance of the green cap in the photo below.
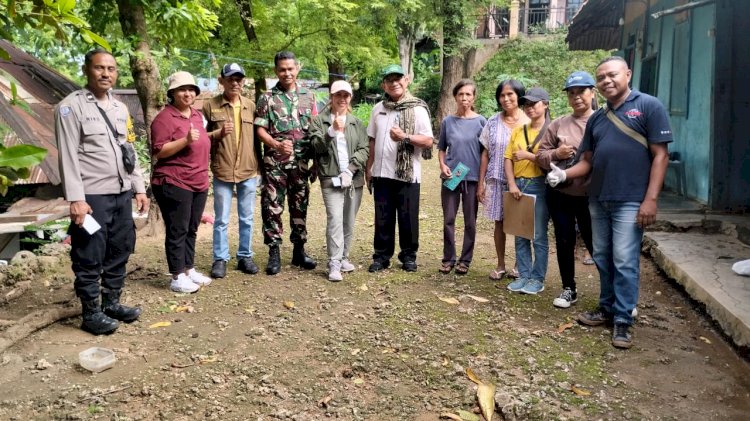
(392, 69)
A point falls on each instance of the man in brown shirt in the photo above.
(234, 162)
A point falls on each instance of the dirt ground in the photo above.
(374, 347)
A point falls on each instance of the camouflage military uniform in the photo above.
(286, 115)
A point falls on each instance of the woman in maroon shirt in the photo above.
(180, 150)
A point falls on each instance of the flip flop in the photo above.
(513, 274)
(588, 261)
(497, 275)
(445, 268)
(462, 269)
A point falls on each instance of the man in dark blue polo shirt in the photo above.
(624, 148)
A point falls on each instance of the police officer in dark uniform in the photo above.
(99, 174)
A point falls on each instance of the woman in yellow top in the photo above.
(525, 177)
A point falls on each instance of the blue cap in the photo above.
(577, 79)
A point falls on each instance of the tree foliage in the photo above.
(59, 16)
(544, 62)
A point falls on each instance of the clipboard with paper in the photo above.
(519, 215)
(459, 173)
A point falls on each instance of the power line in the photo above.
(262, 63)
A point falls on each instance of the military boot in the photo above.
(95, 321)
(274, 260)
(301, 259)
(112, 307)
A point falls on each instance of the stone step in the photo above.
(702, 263)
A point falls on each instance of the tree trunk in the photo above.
(335, 70)
(145, 76)
(454, 33)
(145, 71)
(407, 38)
(245, 7)
(453, 71)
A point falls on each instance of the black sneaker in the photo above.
(378, 265)
(247, 265)
(597, 317)
(566, 298)
(621, 337)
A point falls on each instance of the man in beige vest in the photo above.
(234, 163)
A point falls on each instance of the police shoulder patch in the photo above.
(65, 110)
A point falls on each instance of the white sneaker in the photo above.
(184, 285)
(198, 277)
(347, 266)
(334, 271)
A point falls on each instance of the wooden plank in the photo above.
(12, 218)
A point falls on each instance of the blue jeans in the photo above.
(535, 269)
(617, 251)
(245, 208)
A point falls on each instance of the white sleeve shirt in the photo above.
(384, 162)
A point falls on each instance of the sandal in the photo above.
(445, 268)
(498, 274)
(513, 274)
(462, 268)
(588, 261)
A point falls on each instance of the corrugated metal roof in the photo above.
(33, 124)
(596, 26)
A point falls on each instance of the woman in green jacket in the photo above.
(341, 151)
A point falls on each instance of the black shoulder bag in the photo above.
(128, 153)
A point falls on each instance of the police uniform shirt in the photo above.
(89, 153)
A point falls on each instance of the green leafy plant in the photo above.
(362, 111)
(15, 163)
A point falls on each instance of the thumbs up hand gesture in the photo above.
(338, 122)
(555, 176)
(192, 135)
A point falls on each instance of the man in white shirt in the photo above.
(399, 130)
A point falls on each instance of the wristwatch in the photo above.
(407, 140)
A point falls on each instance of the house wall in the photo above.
(730, 172)
(655, 38)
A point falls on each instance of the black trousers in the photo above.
(465, 194)
(105, 253)
(566, 211)
(395, 200)
(182, 210)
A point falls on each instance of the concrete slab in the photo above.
(702, 263)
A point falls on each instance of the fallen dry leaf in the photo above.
(477, 298)
(388, 351)
(323, 403)
(450, 416)
(473, 377)
(289, 304)
(580, 392)
(450, 300)
(486, 398)
(363, 287)
(446, 361)
(160, 324)
(563, 327)
(359, 380)
(705, 339)
(206, 360)
(184, 309)
(355, 351)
